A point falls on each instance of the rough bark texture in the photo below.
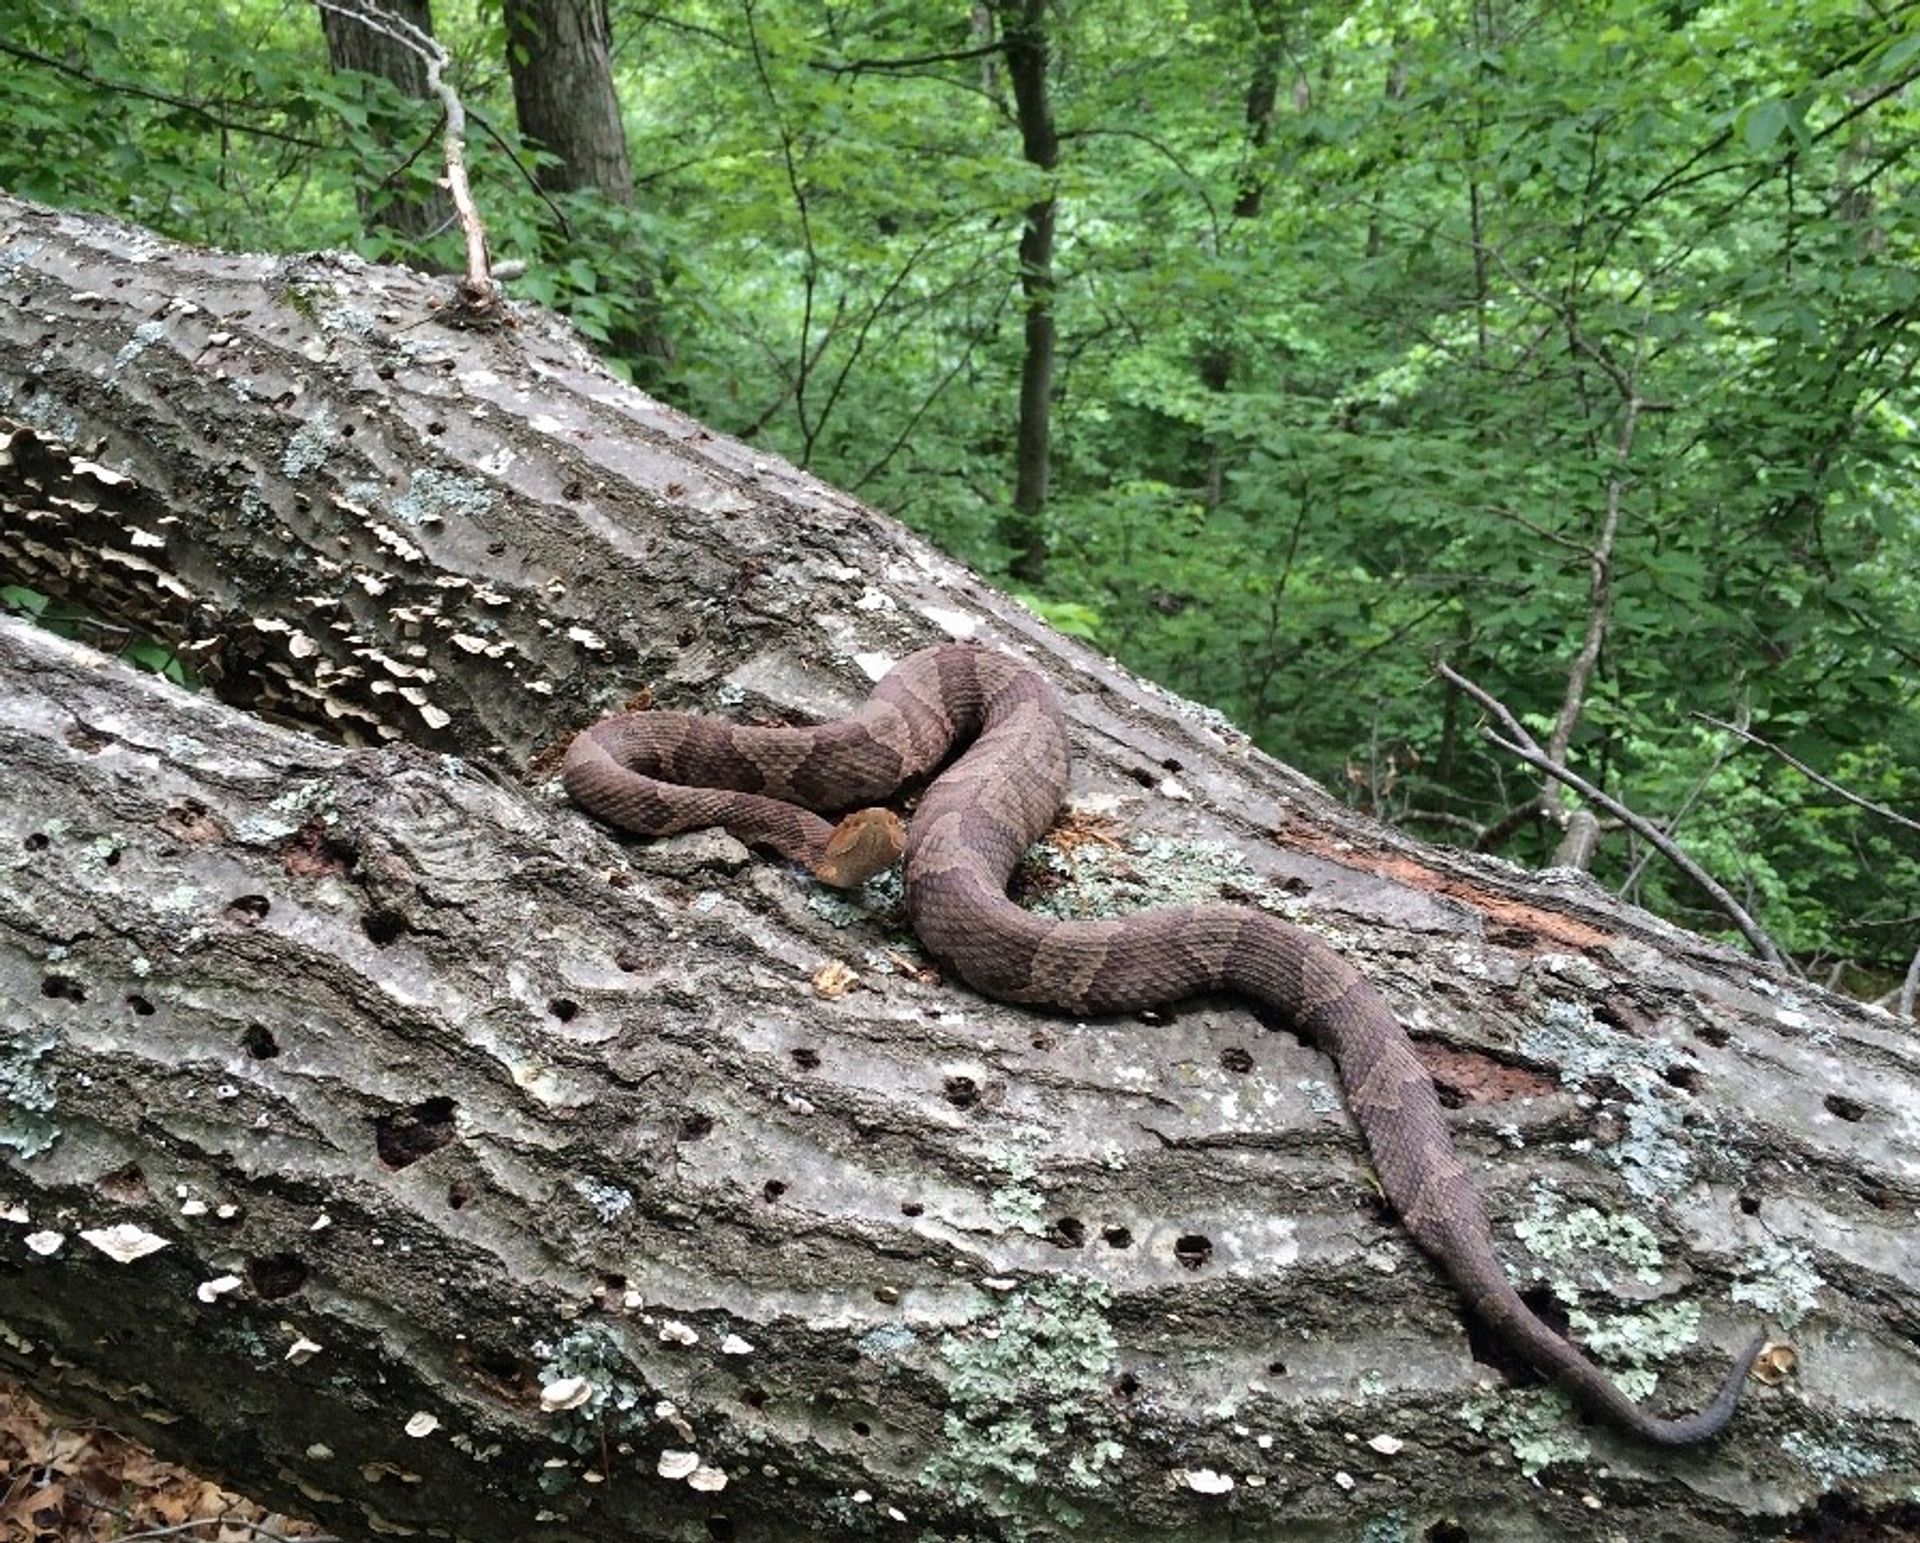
(476, 1099)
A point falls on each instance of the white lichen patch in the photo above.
(45, 1244)
(302, 1350)
(674, 1332)
(733, 1344)
(421, 1424)
(708, 1480)
(1206, 1481)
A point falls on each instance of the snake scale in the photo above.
(658, 772)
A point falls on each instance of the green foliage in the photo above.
(1333, 400)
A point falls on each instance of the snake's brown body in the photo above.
(656, 773)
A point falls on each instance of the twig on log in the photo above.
(479, 296)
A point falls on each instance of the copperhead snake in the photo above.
(656, 773)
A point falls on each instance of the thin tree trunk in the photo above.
(1025, 531)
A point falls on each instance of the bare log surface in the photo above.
(454, 1111)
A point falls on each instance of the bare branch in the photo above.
(915, 61)
(165, 98)
(1807, 771)
(1523, 746)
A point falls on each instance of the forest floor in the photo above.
(68, 1482)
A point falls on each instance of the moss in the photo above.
(1028, 1409)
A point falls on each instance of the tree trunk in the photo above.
(560, 55)
(1025, 31)
(352, 45)
(443, 1100)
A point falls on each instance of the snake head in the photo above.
(866, 842)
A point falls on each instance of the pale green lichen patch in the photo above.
(1391, 1527)
(1536, 1428)
(27, 1095)
(1027, 1399)
(288, 814)
(1780, 1280)
(1098, 878)
(432, 495)
(618, 1402)
(882, 897)
(1629, 1342)
(1585, 1234)
(1018, 1203)
(1832, 1461)
(1583, 1246)
(1656, 1156)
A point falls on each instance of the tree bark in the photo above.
(441, 1097)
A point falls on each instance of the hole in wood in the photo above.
(259, 1042)
(245, 910)
(1193, 1250)
(407, 1135)
(276, 1276)
(383, 927)
(1838, 1105)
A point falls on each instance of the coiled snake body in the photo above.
(656, 773)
